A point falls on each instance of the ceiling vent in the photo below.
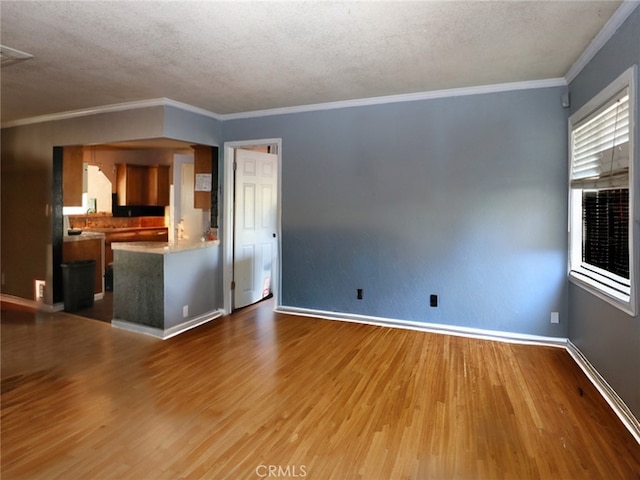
(9, 56)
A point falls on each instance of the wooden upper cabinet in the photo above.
(158, 185)
(143, 185)
(131, 184)
(206, 197)
(72, 176)
(201, 165)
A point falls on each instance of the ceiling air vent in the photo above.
(9, 56)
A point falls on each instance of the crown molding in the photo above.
(117, 107)
(612, 25)
(408, 97)
(83, 112)
(190, 108)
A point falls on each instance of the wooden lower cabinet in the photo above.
(79, 249)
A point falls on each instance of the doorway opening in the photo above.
(251, 222)
(139, 225)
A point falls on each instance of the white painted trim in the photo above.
(167, 102)
(612, 25)
(629, 305)
(228, 216)
(460, 331)
(408, 97)
(117, 107)
(609, 394)
(164, 334)
(40, 306)
(24, 302)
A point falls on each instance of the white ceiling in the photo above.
(229, 57)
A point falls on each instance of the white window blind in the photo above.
(600, 147)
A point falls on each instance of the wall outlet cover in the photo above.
(39, 289)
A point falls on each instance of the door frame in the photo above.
(228, 188)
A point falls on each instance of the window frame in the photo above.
(605, 285)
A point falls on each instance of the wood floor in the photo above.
(262, 395)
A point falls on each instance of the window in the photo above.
(601, 210)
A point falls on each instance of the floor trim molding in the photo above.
(24, 302)
(480, 333)
(166, 333)
(40, 306)
(607, 392)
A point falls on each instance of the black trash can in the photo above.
(108, 278)
(77, 284)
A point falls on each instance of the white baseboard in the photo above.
(607, 392)
(40, 306)
(480, 333)
(611, 397)
(164, 334)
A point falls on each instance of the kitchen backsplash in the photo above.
(106, 220)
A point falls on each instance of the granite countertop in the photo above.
(122, 229)
(84, 236)
(162, 247)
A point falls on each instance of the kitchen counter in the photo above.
(121, 229)
(162, 289)
(162, 248)
(84, 236)
(128, 234)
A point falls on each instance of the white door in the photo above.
(254, 243)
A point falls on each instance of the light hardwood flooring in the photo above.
(263, 395)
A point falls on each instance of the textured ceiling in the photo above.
(228, 57)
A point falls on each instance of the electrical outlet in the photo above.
(39, 289)
(185, 311)
(359, 294)
(433, 300)
(555, 317)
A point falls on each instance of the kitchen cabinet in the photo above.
(158, 185)
(87, 246)
(142, 185)
(201, 166)
(206, 163)
(131, 184)
(72, 172)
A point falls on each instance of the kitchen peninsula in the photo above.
(163, 289)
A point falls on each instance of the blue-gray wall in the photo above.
(191, 278)
(608, 337)
(464, 197)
